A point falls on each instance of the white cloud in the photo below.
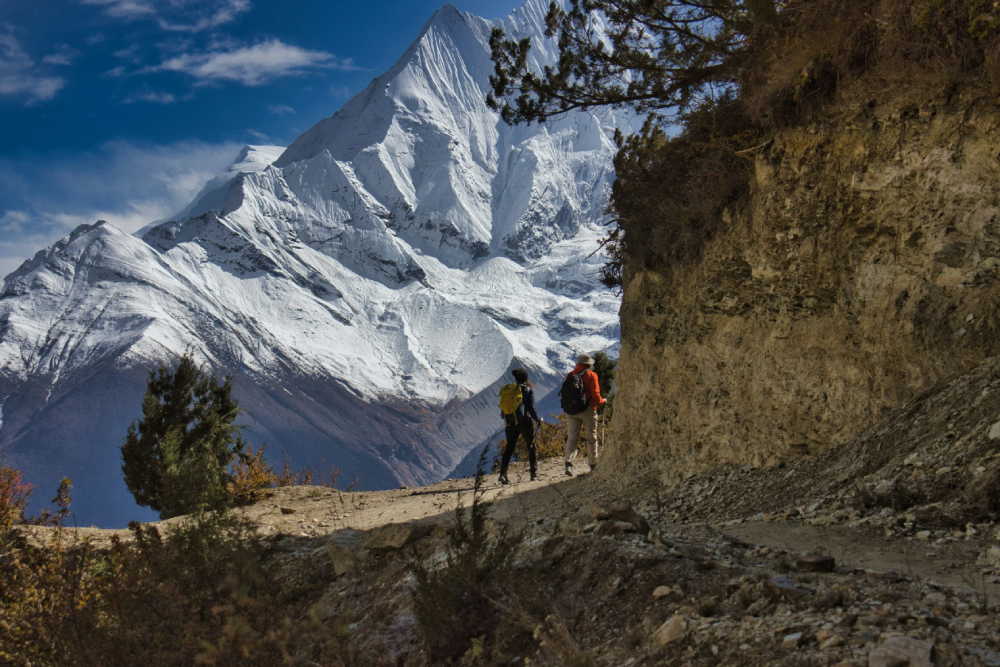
(65, 55)
(129, 53)
(252, 65)
(19, 75)
(94, 40)
(114, 73)
(125, 9)
(259, 135)
(176, 15)
(128, 185)
(154, 96)
(281, 109)
(224, 14)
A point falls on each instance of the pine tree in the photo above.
(651, 56)
(175, 458)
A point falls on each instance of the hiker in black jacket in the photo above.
(523, 421)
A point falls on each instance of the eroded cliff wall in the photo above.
(862, 269)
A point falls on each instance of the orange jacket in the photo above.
(591, 387)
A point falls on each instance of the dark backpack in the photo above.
(573, 397)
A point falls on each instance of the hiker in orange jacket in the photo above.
(586, 420)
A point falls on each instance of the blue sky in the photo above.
(122, 109)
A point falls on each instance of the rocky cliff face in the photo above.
(861, 270)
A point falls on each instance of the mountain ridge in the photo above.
(366, 303)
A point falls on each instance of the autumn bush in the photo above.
(206, 591)
(14, 496)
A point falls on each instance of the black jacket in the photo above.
(527, 403)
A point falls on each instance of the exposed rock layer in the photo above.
(861, 270)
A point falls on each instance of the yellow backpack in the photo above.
(510, 401)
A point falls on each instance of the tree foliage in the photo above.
(175, 458)
(647, 55)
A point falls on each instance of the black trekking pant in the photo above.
(526, 429)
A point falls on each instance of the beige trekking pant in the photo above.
(587, 421)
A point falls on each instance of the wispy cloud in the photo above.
(222, 15)
(19, 76)
(128, 185)
(64, 55)
(258, 135)
(340, 92)
(252, 65)
(156, 97)
(176, 15)
(94, 40)
(125, 9)
(281, 109)
(129, 53)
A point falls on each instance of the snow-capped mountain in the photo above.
(368, 287)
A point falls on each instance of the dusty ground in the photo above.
(610, 590)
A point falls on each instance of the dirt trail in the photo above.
(954, 564)
(313, 511)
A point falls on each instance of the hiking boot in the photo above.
(534, 475)
(503, 479)
(569, 469)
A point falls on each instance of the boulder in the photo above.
(902, 652)
(671, 631)
(395, 536)
(344, 560)
(783, 587)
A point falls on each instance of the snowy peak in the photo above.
(458, 184)
(251, 160)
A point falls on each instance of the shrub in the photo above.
(306, 476)
(251, 477)
(14, 496)
(208, 591)
(460, 607)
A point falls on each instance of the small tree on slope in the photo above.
(175, 458)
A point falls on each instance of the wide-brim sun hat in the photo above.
(585, 359)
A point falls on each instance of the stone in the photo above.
(791, 642)
(671, 631)
(816, 564)
(622, 513)
(991, 556)
(614, 528)
(288, 510)
(783, 587)
(831, 643)
(395, 536)
(665, 592)
(995, 432)
(343, 559)
(902, 652)
(924, 535)
(937, 598)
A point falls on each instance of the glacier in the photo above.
(369, 287)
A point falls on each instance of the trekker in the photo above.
(581, 397)
(517, 406)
